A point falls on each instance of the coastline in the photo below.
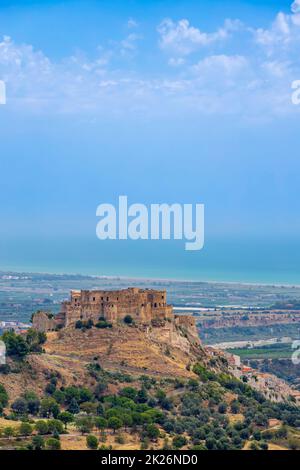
(116, 277)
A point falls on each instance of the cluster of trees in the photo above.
(3, 398)
(101, 323)
(195, 416)
(18, 346)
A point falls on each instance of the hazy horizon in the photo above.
(167, 102)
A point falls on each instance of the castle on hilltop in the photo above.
(143, 305)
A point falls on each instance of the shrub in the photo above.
(103, 324)
(55, 426)
(222, 408)
(25, 429)
(92, 442)
(152, 432)
(8, 431)
(41, 427)
(128, 320)
(19, 406)
(179, 441)
(38, 442)
(53, 444)
(3, 397)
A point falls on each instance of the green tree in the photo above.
(3, 397)
(53, 444)
(282, 432)
(114, 423)
(85, 395)
(41, 427)
(59, 396)
(38, 442)
(73, 407)
(84, 424)
(35, 339)
(101, 423)
(25, 429)
(101, 387)
(222, 408)
(8, 431)
(49, 407)
(89, 407)
(16, 345)
(152, 431)
(179, 441)
(66, 418)
(33, 406)
(129, 392)
(142, 396)
(19, 406)
(55, 426)
(92, 442)
(235, 407)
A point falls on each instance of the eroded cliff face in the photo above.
(180, 335)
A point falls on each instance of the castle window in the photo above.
(107, 298)
(94, 299)
(155, 305)
(101, 298)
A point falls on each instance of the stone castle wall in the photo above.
(42, 321)
(143, 305)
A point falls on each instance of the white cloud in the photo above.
(283, 36)
(131, 23)
(276, 69)
(223, 71)
(181, 38)
(221, 64)
(278, 35)
(295, 7)
(129, 44)
(176, 61)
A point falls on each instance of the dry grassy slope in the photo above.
(34, 375)
(164, 352)
(156, 351)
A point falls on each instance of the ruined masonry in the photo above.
(145, 306)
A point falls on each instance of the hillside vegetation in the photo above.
(132, 388)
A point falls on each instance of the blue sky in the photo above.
(182, 101)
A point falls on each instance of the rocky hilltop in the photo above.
(163, 349)
(134, 381)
